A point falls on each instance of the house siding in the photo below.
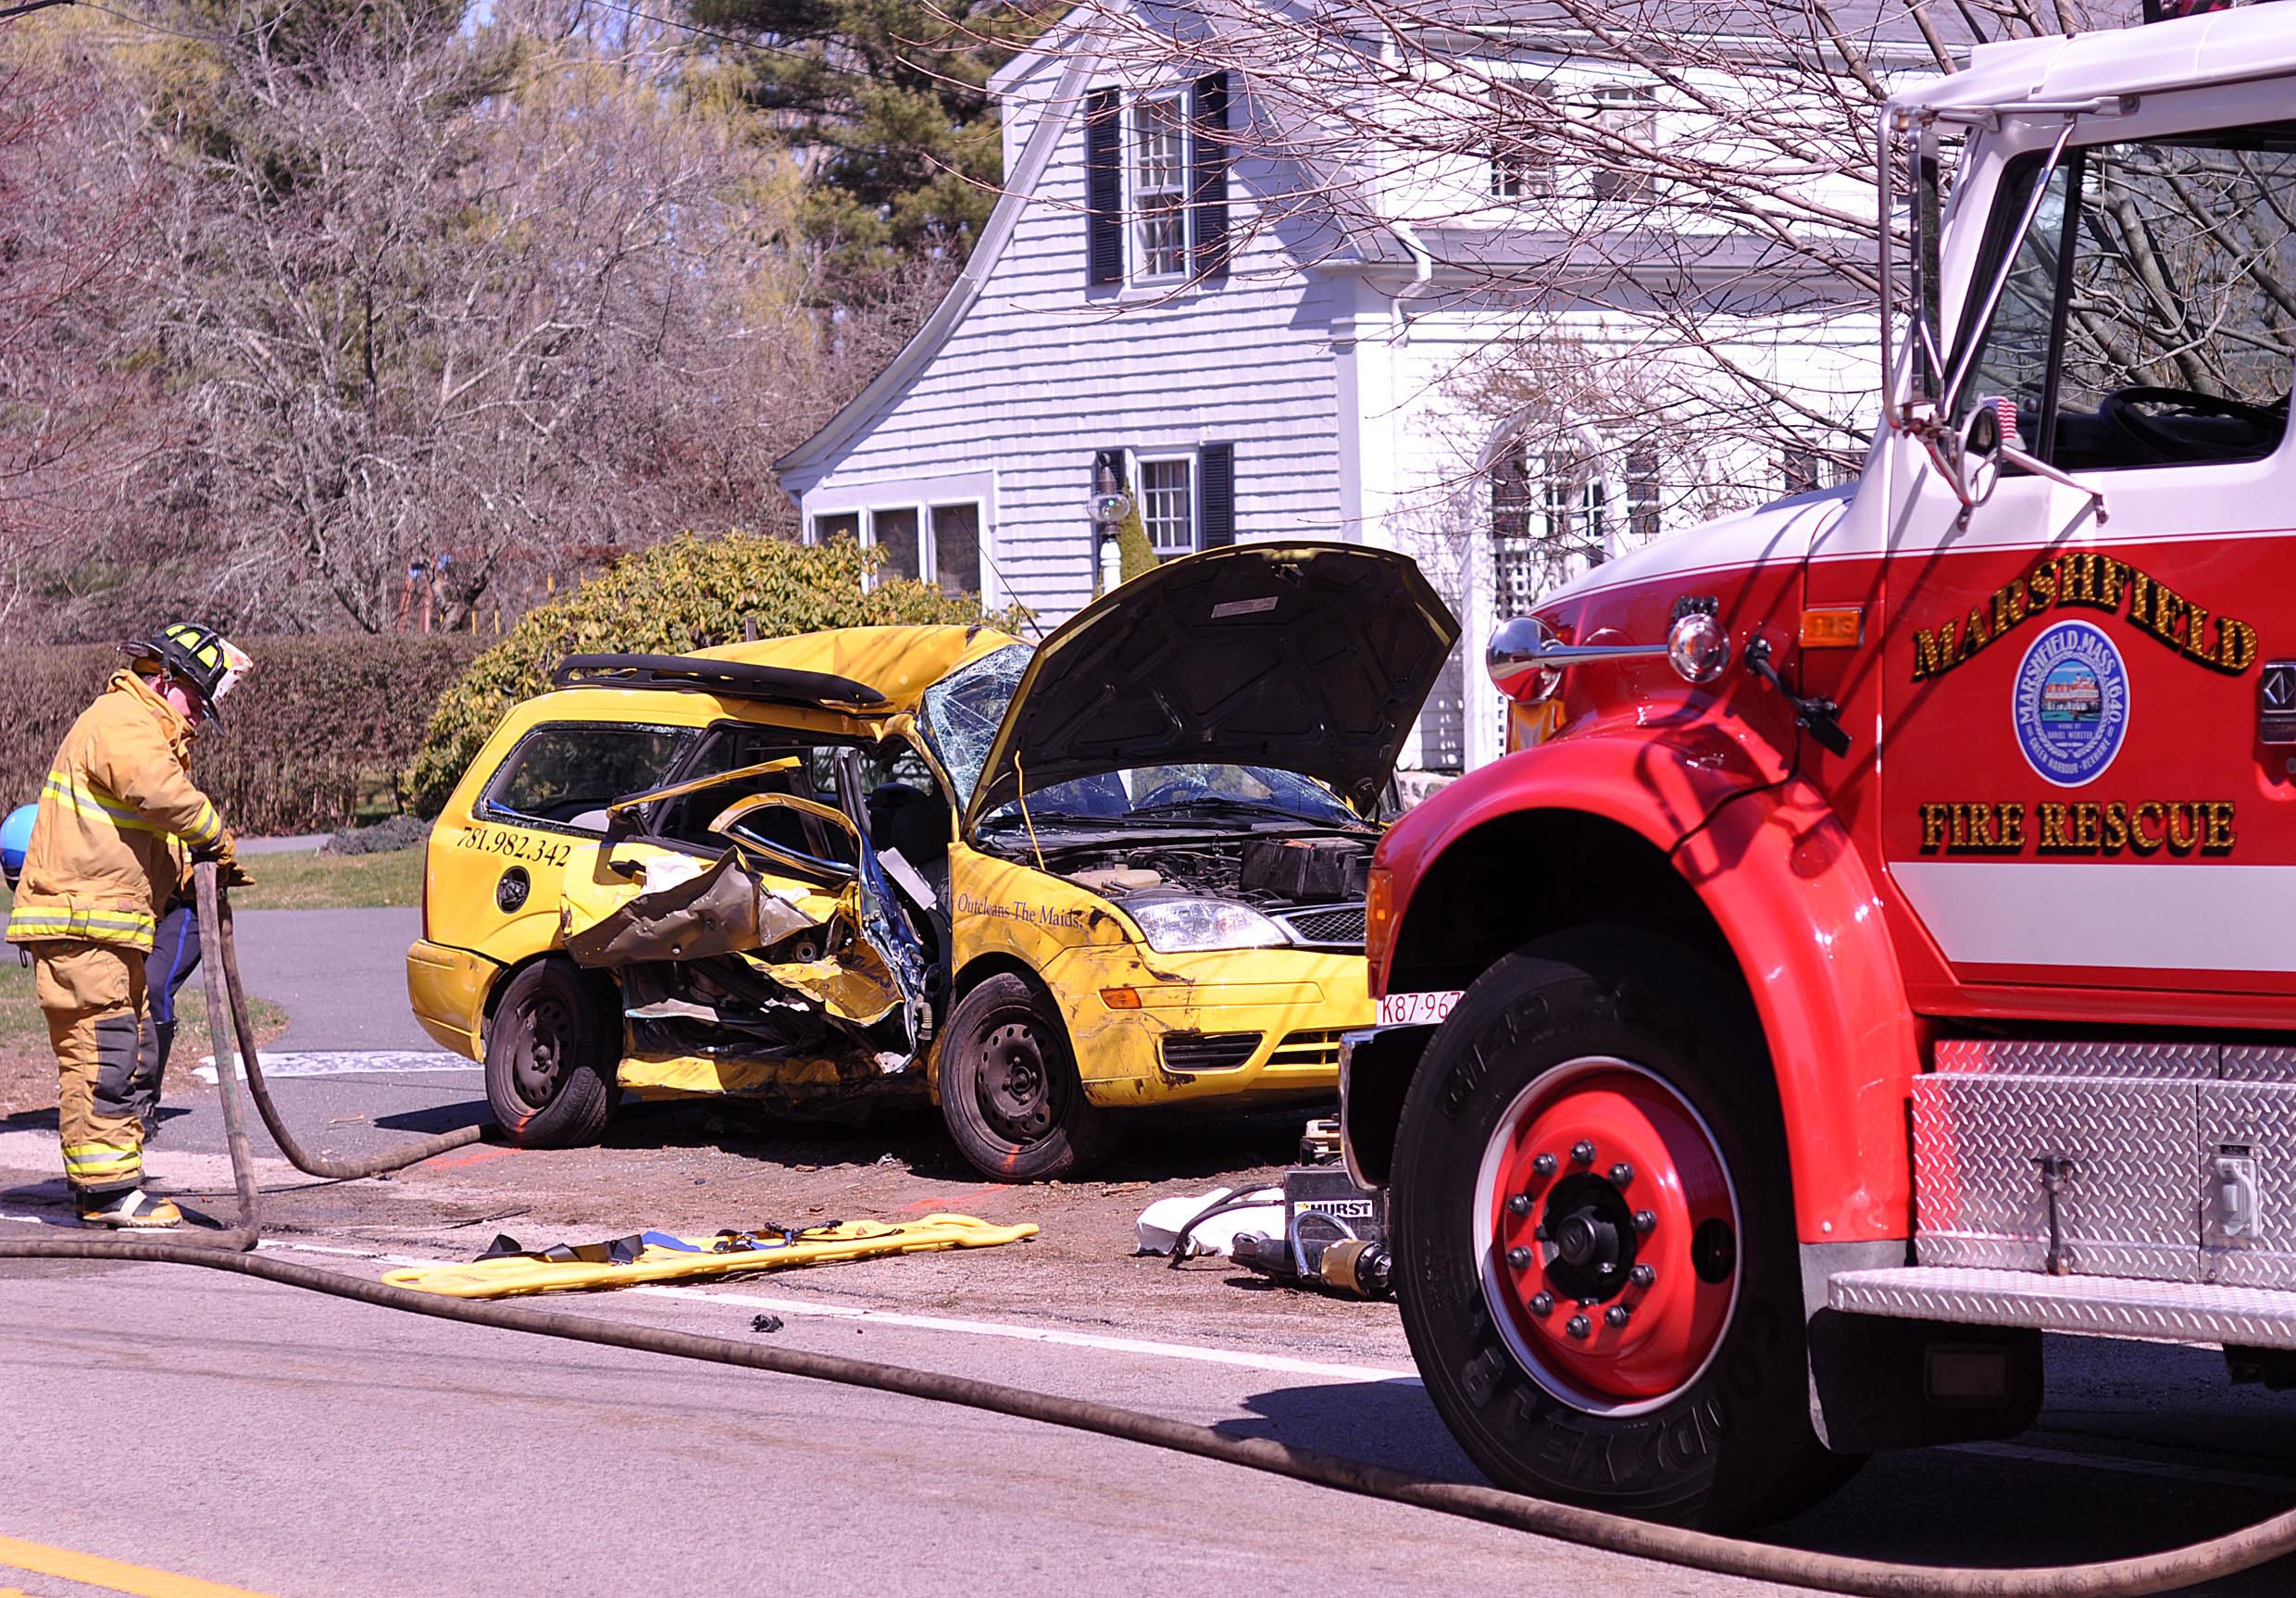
(1041, 371)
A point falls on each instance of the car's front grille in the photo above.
(1208, 1051)
(1307, 1049)
(1326, 926)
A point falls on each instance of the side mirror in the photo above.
(1993, 425)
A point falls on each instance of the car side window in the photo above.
(2147, 319)
(565, 774)
(687, 817)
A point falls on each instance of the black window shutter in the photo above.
(1215, 467)
(1109, 463)
(1103, 186)
(1209, 191)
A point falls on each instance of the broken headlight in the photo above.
(1175, 926)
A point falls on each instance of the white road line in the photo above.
(1274, 1363)
(348, 1062)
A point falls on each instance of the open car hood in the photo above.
(1307, 658)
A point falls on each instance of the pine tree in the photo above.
(887, 100)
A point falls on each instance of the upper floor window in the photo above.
(1628, 115)
(1160, 187)
(1155, 184)
(1522, 152)
(2147, 319)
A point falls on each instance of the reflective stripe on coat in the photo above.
(102, 864)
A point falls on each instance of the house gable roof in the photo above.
(914, 356)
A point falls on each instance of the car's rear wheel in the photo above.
(1009, 1088)
(1597, 1263)
(551, 1050)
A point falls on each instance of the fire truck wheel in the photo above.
(1596, 1247)
(550, 1059)
(1009, 1089)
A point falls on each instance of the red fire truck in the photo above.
(1884, 951)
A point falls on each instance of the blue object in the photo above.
(16, 838)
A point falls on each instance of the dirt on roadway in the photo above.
(695, 1167)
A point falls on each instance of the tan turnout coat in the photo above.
(101, 867)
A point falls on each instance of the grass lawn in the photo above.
(28, 1069)
(331, 882)
(321, 882)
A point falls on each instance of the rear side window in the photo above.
(565, 774)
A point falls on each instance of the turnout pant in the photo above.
(108, 1060)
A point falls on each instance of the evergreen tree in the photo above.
(887, 102)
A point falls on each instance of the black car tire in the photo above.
(1009, 1089)
(1547, 1035)
(550, 1053)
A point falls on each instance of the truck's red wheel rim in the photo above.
(1606, 1230)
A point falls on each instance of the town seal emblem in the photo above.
(2069, 703)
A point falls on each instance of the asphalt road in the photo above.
(295, 1444)
(204, 1426)
(340, 974)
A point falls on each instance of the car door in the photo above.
(546, 799)
(2085, 787)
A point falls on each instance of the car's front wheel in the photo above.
(1596, 1256)
(551, 1050)
(1009, 1088)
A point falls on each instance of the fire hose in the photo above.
(232, 1250)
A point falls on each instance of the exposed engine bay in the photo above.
(1267, 873)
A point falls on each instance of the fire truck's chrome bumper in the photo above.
(2105, 1307)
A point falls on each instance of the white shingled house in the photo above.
(1251, 354)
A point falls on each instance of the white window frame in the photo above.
(1136, 118)
(812, 534)
(1522, 168)
(932, 541)
(1628, 112)
(922, 494)
(919, 532)
(1186, 460)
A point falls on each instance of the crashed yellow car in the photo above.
(1042, 886)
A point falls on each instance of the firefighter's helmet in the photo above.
(209, 663)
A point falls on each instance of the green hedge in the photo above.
(689, 594)
(316, 718)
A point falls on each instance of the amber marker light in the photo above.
(1833, 626)
(1378, 924)
(1120, 998)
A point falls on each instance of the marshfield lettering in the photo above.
(2087, 580)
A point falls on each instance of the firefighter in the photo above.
(119, 817)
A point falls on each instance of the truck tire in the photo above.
(1596, 1257)
(550, 1053)
(1009, 1089)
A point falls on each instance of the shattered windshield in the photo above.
(964, 709)
(1181, 793)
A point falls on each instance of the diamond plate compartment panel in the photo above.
(2254, 1317)
(2259, 1063)
(2259, 1120)
(2131, 1207)
(2024, 1057)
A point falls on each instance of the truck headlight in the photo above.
(1177, 926)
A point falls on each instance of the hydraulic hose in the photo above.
(2165, 1572)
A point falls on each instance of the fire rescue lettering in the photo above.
(2084, 827)
(2097, 583)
